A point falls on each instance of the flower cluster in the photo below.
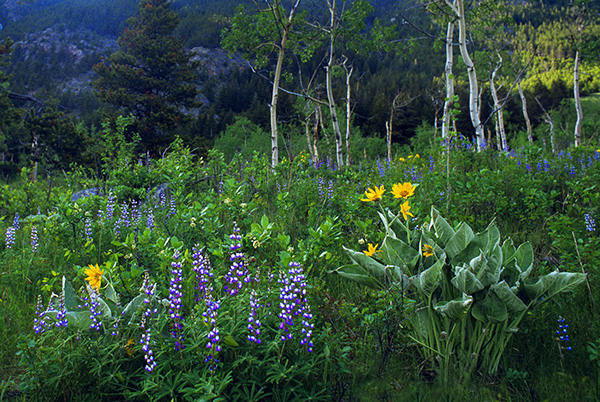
(590, 223)
(39, 323)
(238, 272)
(34, 239)
(95, 311)
(253, 322)
(61, 315)
(145, 324)
(561, 333)
(293, 303)
(175, 296)
(10, 237)
(210, 318)
(203, 272)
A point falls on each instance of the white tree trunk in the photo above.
(525, 114)
(329, 86)
(577, 101)
(348, 112)
(449, 81)
(285, 31)
(458, 6)
(498, 109)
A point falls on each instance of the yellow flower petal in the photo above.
(403, 190)
(372, 250)
(427, 250)
(373, 195)
(405, 209)
(94, 276)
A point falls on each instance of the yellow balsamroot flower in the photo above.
(372, 250)
(373, 195)
(427, 250)
(405, 209)
(403, 190)
(94, 276)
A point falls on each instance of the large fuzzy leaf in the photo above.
(513, 303)
(397, 252)
(536, 287)
(71, 299)
(465, 281)
(565, 282)
(428, 280)
(487, 273)
(134, 306)
(490, 309)
(524, 259)
(459, 241)
(454, 309)
(440, 228)
(372, 266)
(358, 274)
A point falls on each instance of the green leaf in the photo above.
(565, 282)
(135, 305)
(428, 280)
(465, 281)
(484, 271)
(440, 228)
(513, 303)
(71, 298)
(454, 309)
(490, 309)
(459, 241)
(524, 259)
(373, 267)
(396, 252)
(358, 274)
(230, 341)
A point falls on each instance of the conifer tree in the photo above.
(150, 76)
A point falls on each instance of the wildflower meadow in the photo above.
(446, 274)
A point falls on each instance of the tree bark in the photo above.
(577, 101)
(458, 7)
(449, 81)
(525, 114)
(277, 78)
(329, 85)
(498, 108)
(348, 111)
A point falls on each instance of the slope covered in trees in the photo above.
(395, 85)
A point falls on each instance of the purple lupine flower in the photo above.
(175, 295)
(173, 207)
(330, 191)
(528, 167)
(145, 324)
(110, 205)
(590, 223)
(210, 318)
(431, 164)
(163, 200)
(10, 237)
(254, 323)
(124, 218)
(61, 315)
(203, 272)
(95, 309)
(293, 302)
(238, 272)
(16, 221)
(88, 230)
(39, 323)
(150, 222)
(321, 184)
(380, 167)
(136, 213)
(34, 239)
(561, 333)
